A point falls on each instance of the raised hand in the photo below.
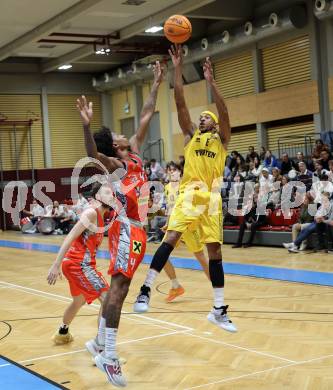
(208, 71)
(85, 110)
(158, 73)
(176, 54)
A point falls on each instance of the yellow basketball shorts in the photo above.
(198, 211)
(192, 240)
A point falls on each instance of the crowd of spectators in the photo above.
(54, 218)
(269, 175)
(58, 218)
(155, 171)
(264, 170)
(170, 177)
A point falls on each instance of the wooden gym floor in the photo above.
(285, 337)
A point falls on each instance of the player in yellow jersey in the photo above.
(199, 203)
(191, 237)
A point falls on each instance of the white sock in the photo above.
(101, 331)
(110, 343)
(64, 326)
(218, 297)
(150, 278)
(175, 283)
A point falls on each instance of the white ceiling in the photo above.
(34, 50)
(109, 16)
(17, 17)
(22, 20)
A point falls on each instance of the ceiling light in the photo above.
(154, 29)
(65, 67)
(103, 51)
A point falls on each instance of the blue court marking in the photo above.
(258, 271)
(16, 377)
(265, 272)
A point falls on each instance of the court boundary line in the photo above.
(242, 348)
(31, 372)
(186, 331)
(230, 379)
(95, 308)
(230, 267)
(176, 332)
(91, 306)
(62, 298)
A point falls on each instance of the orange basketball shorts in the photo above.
(127, 246)
(84, 279)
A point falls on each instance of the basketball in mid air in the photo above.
(177, 29)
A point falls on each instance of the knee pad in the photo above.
(161, 256)
(216, 273)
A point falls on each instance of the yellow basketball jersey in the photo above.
(204, 159)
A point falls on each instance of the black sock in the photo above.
(216, 272)
(161, 256)
(145, 290)
(63, 329)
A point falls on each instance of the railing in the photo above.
(296, 143)
(148, 151)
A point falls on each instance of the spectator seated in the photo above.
(275, 221)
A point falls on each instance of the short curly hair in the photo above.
(104, 142)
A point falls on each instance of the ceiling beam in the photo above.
(183, 7)
(236, 10)
(274, 6)
(116, 58)
(45, 28)
(215, 17)
(73, 56)
(99, 62)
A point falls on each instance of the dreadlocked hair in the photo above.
(104, 142)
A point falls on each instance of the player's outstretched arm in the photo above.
(224, 122)
(86, 112)
(88, 217)
(148, 110)
(184, 118)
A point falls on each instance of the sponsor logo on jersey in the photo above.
(205, 153)
(137, 247)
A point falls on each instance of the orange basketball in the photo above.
(177, 29)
